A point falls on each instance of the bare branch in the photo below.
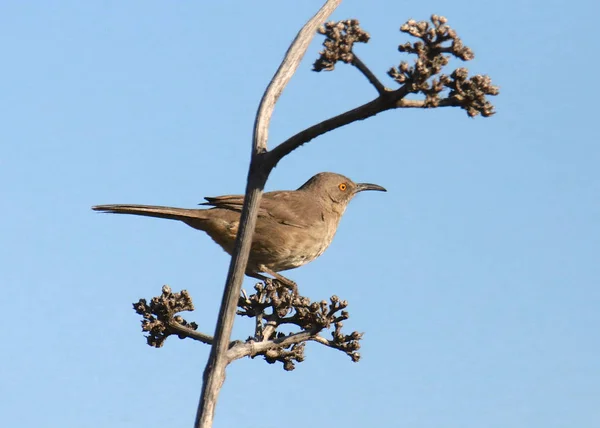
(214, 373)
(285, 72)
(182, 332)
(253, 348)
(356, 61)
(362, 112)
(274, 350)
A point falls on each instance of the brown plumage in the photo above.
(293, 227)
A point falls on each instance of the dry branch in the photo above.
(214, 373)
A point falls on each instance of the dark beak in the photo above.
(368, 186)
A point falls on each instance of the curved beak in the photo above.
(368, 186)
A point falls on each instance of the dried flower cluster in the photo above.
(436, 45)
(159, 317)
(436, 40)
(339, 41)
(470, 93)
(273, 305)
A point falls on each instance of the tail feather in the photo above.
(182, 214)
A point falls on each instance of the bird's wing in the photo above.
(284, 207)
(231, 202)
(287, 207)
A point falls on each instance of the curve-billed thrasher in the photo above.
(293, 227)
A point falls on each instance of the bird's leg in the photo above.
(288, 283)
(257, 275)
(282, 279)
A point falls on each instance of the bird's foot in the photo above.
(286, 282)
(282, 280)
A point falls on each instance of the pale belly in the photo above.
(277, 246)
(299, 248)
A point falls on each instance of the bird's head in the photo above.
(336, 189)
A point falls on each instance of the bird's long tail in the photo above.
(189, 216)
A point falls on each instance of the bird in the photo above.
(293, 227)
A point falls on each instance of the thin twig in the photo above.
(269, 330)
(444, 102)
(255, 348)
(357, 62)
(362, 112)
(250, 349)
(387, 101)
(183, 331)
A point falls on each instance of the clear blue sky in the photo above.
(475, 278)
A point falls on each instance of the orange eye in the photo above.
(343, 187)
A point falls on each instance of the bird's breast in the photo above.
(275, 244)
(282, 247)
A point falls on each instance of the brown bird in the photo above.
(294, 227)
